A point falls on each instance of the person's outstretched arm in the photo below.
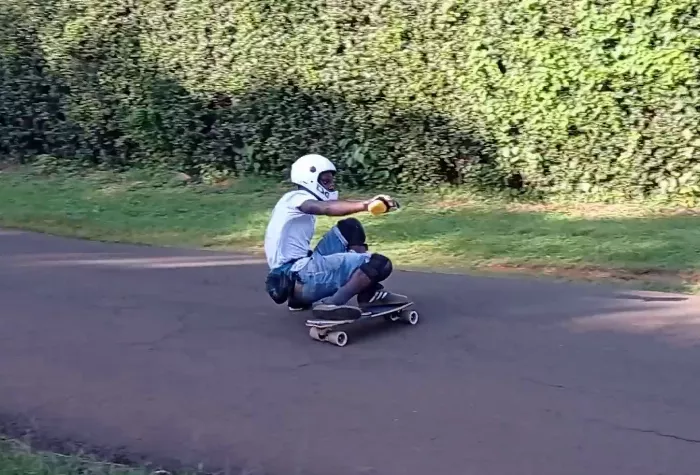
(333, 208)
(343, 207)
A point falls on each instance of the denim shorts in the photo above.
(329, 267)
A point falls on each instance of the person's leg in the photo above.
(295, 303)
(323, 276)
(354, 233)
(359, 278)
(347, 235)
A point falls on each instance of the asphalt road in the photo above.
(180, 355)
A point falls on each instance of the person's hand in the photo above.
(381, 204)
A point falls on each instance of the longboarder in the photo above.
(341, 266)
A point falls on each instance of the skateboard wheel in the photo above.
(410, 317)
(338, 338)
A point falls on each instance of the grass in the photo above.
(650, 247)
(19, 459)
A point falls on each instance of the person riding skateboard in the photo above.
(341, 266)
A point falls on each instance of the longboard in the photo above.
(326, 330)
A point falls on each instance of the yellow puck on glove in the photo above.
(377, 207)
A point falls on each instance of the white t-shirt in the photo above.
(289, 232)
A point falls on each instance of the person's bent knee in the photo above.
(353, 232)
(378, 268)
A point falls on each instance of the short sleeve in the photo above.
(296, 199)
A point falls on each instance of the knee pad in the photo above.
(378, 268)
(352, 231)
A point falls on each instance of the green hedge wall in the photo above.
(597, 97)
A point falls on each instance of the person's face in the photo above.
(327, 180)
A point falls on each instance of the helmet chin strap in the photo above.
(318, 185)
(311, 192)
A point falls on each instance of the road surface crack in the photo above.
(661, 434)
(655, 432)
(544, 383)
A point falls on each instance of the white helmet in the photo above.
(305, 172)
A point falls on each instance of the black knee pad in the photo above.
(378, 268)
(352, 231)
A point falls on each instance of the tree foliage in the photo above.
(597, 97)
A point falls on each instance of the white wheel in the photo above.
(410, 317)
(338, 338)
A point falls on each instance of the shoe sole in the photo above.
(338, 313)
(382, 303)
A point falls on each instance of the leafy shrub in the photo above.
(593, 97)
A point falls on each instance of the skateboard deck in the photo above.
(326, 330)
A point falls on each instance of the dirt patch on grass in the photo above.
(8, 167)
(592, 210)
(658, 277)
(577, 210)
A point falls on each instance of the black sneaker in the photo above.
(334, 313)
(297, 306)
(380, 298)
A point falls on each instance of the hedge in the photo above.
(593, 97)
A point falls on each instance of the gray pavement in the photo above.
(181, 356)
